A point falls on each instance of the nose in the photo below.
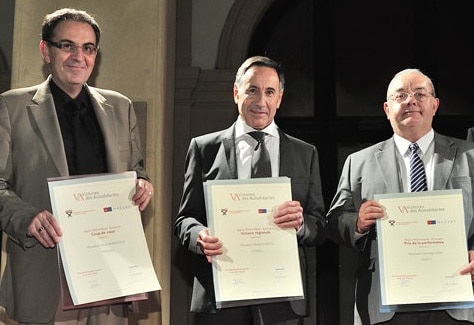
(78, 53)
(410, 98)
(261, 100)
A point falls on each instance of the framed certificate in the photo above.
(422, 246)
(103, 249)
(260, 262)
(68, 304)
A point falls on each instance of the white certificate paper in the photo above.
(422, 246)
(260, 262)
(103, 248)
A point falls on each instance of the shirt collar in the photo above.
(62, 98)
(242, 128)
(424, 142)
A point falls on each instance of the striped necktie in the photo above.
(261, 165)
(417, 171)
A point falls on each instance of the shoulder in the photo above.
(110, 95)
(371, 150)
(296, 143)
(20, 92)
(443, 141)
(215, 137)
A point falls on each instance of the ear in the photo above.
(236, 94)
(386, 109)
(435, 106)
(280, 97)
(44, 49)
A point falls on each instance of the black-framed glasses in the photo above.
(401, 96)
(69, 47)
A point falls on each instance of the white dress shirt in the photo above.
(245, 145)
(426, 153)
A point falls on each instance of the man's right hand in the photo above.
(45, 228)
(210, 245)
(369, 212)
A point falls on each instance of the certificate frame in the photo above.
(260, 263)
(422, 245)
(103, 250)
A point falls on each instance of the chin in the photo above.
(259, 126)
(77, 81)
(259, 123)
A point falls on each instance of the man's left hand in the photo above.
(143, 194)
(289, 215)
(470, 267)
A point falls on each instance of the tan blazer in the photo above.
(31, 150)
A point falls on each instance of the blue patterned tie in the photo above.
(261, 165)
(417, 171)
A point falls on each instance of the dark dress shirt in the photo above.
(82, 136)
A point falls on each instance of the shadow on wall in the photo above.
(5, 73)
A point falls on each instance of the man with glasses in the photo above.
(446, 163)
(58, 128)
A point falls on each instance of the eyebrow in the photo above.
(416, 88)
(69, 41)
(255, 86)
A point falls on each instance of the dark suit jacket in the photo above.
(212, 156)
(31, 150)
(374, 171)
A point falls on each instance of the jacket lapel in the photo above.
(386, 164)
(285, 164)
(43, 113)
(105, 114)
(444, 153)
(226, 153)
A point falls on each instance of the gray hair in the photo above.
(52, 20)
(418, 71)
(261, 61)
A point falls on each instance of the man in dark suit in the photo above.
(227, 154)
(58, 128)
(384, 168)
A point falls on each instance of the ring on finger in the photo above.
(40, 229)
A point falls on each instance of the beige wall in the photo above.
(136, 59)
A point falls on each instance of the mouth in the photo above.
(259, 112)
(75, 67)
(408, 112)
